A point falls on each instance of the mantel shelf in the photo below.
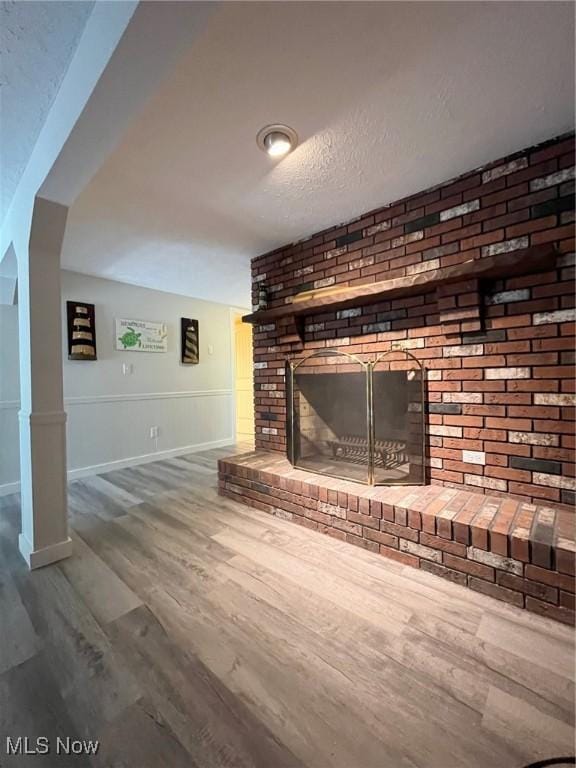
(308, 303)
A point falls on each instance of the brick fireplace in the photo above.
(475, 280)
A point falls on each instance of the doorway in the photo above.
(244, 378)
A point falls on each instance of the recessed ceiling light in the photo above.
(277, 139)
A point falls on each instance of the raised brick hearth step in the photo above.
(512, 550)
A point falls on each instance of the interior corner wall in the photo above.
(110, 414)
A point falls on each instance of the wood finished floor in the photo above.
(188, 630)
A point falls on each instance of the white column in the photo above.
(44, 535)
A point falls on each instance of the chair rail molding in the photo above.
(8, 405)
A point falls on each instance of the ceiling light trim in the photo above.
(276, 128)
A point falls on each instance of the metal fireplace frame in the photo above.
(368, 367)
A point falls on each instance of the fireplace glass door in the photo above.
(356, 420)
(397, 419)
(330, 416)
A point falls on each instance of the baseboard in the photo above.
(99, 469)
(40, 557)
(147, 458)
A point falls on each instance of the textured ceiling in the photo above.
(388, 99)
(37, 42)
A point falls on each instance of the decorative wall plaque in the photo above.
(141, 336)
(81, 331)
(190, 347)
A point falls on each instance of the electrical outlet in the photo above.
(154, 431)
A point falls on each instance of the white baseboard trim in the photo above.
(98, 469)
(133, 461)
(41, 557)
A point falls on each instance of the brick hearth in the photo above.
(514, 551)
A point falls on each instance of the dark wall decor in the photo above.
(81, 331)
(190, 345)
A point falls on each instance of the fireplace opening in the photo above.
(357, 420)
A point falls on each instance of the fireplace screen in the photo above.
(356, 420)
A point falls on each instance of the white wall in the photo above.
(110, 414)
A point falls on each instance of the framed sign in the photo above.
(141, 336)
(81, 330)
(189, 352)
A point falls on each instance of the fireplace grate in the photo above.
(387, 453)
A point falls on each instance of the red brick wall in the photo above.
(501, 400)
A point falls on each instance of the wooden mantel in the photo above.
(308, 303)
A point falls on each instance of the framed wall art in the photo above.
(81, 324)
(190, 346)
(141, 336)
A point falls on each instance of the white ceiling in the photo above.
(388, 99)
(37, 42)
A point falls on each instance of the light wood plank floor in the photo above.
(188, 630)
